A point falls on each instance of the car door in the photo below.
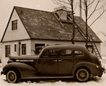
(65, 61)
(47, 64)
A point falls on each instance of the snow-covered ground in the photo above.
(93, 82)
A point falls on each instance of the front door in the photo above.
(48, 64)
(65, 61)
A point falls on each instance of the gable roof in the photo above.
(44, 25)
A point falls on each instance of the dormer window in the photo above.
(14, 24)
(63, 14)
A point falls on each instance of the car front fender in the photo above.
(25, 70)
(94, 69)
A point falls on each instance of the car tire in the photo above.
(13, 76)
(82, 75)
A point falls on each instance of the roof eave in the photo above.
(63, 40)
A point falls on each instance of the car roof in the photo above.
(74, 47)
(65, 46)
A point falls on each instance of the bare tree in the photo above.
(69, 4)
(88, 8)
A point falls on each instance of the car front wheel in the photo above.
(12, 76)
(82, 75)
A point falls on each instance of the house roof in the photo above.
(44, 25)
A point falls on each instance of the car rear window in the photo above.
(78, 52)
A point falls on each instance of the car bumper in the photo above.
(100, 71)
(2, 72)
(103, 69)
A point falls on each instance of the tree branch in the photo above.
(94, 9)
(90, 3)
(97, 17)
(63, 2)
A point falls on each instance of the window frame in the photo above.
(7, 50)
(66, 54)
(47, 51)
(38, 47)
(24, 49)
(79, 52)
(15, 47)
(14, 24)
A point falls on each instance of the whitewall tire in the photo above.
(82, 75)
(12, 76)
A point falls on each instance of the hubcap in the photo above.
(11, 76)
(82, 75)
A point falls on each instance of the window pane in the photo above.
(23, 49)
(49, 53)
(77, 52)
(7, 50)
(14, 25)
(15, 47)
(52, 52)
(65, 52)
(38, 48)
(45, 54)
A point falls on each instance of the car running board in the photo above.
(49, 77)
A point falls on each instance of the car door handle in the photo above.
(59, 60)
(55, 60)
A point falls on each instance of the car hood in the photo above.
(28, 57)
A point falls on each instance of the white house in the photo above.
(27, 29)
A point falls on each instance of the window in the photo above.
(7, 50)
(38, 48)
(50, 53)
(66, 52)
(90, 48)
(14, 25)
(15, 47)
(64, 17)
(23, 49)
(77, 52)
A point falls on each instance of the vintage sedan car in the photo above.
(60, 61)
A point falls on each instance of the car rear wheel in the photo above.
(12, 76)
(82, 75)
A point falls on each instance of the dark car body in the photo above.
(60, 61)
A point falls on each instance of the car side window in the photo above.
(78, 52)
(49, 53)
(52, 52)
(65, 52)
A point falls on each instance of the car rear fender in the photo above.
(88, 65)
(25, 70)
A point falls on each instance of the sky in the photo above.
(6, 7)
